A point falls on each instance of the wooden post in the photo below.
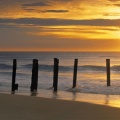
(36, 74)
(55, 81)
(108, 71)
(75, 73)
(55, 59)
(34, 78)
(14, 86)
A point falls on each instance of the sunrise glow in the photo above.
(49, 25)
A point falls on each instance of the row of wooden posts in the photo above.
(34, 78)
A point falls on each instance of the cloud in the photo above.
(55, 11)
(7, 25)
(65, 0)
(114, 0)
(29, 9)
(62, 22)
(111, 14)
(117, 5)
(36, 4)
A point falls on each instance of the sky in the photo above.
(60, 25)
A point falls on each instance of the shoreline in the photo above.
(98, 99)
(17, 107)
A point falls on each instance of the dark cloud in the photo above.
(62, 22)
(117, 5)
(6, 26)
(37, 4)
(55, 11)
(29, 9)
(114, 0)
(111, 14)
(65, 0)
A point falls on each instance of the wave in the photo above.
(5, 66)
(91, 68)
(28, 66)
(68, 68)
(49, 68)
(115, 68)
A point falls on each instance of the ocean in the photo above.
(91, 77)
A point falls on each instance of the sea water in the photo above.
(91, 77)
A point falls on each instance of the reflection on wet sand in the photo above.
(109, 100)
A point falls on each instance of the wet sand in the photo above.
(20, 107)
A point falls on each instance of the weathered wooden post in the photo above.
(75, 73)
(55, 59)
(14, 86)
(108, 71)
(34, 78)
(55, 79)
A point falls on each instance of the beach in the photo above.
(90, 100)
(21, 107)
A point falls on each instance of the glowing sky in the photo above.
(59, 25)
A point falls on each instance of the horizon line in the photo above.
(59, 51)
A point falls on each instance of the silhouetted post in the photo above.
(75, 73)
(55, 79)
(34, 78)
(14, 86)
(55, 59)
(108, 71)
